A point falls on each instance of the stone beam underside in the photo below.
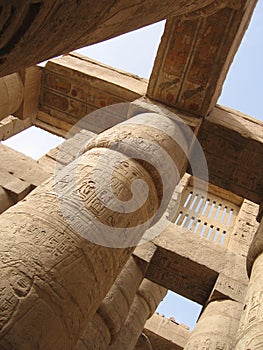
(232, 143)
(73, 86)
(166, 334)
(190, 266)
(195, 54)
(35, 30)
(12, 125)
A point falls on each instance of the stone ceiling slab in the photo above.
(37, 30)
(194, 57)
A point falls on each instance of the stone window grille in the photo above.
(212, 216)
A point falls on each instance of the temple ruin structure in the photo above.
(155, 188)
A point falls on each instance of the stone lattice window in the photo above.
(212, 216)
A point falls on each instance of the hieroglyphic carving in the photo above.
(229, 137)
(45, 250)
(69, 94)
(53, 280)
(194, 55)
(250, 332)
(84, 91)
(64, 104)
(217, 326)
(191, 280)
(67, 26)
(212, 8)
(227, 287)
(244, 229)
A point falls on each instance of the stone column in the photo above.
(217, 326)
(145, 303)
(114, 309)
(54, 273)
(11, 94)
(143, 343)
(250, 332)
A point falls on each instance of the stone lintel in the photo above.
(166, 334)
(232, 143)
(74, 86)
(19, 174)
(147, 105)
(66, 26)
(53, 125)
(228, 288)
(11, 126)
(144, 254)
(244, 229)
(195, 54)
(190, 265)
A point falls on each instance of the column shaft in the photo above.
(11, 93)
(53, 276)
(250, 332)
(52, 279)
(145, 302)
(114, 309)
(217, 326)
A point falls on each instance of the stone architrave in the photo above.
(64, 26)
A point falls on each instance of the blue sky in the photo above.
(135, 52)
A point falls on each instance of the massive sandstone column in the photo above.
(217, 326)
(53, 276)
(143, 343)
(114, 309)
(145, 303)
(250, 332)
(11, 94)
